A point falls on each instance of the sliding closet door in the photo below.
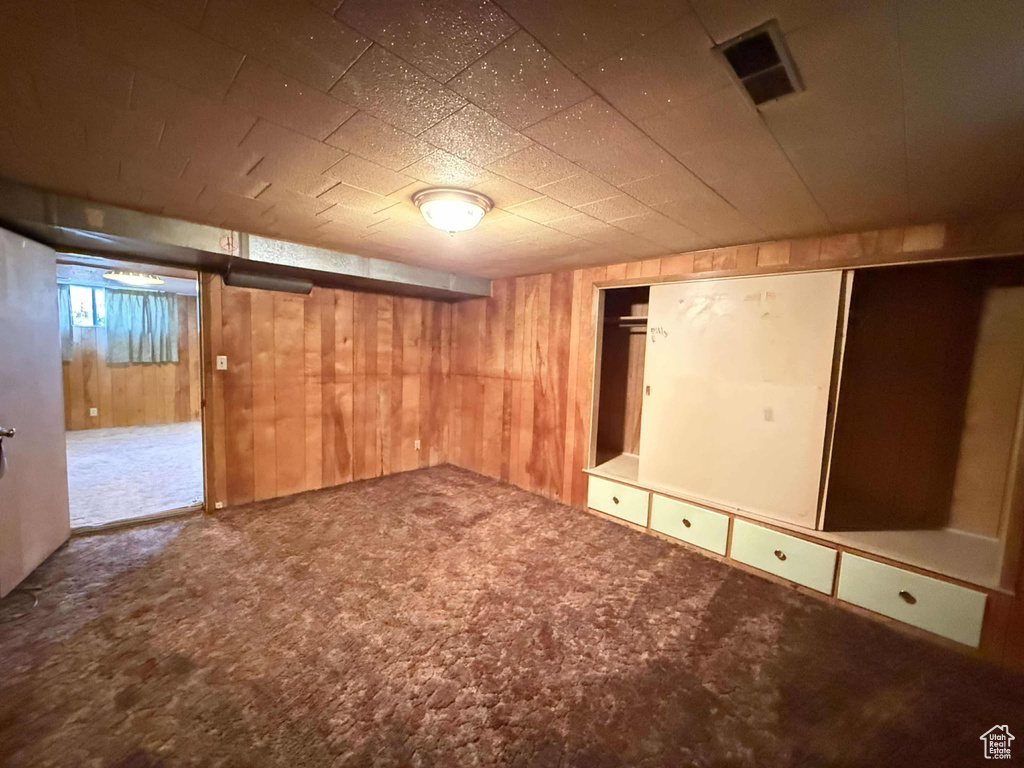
(737, 378)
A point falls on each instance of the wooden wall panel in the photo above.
(329, 473)
(572, 420)
(511, 358)
(214, 430)
(132, 395)
(135, 406)
(263, 408)
(538, 428)
(344, 395)
(237, 383)
(312, 396)
(320, 390)
(289, 393)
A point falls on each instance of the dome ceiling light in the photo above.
(452, 210)
(133, 278)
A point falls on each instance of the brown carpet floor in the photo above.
(124, 472)
(438, 618)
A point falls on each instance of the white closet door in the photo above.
(738, 374)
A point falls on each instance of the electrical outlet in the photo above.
(94, 411)
(219, 505)
(222, 362)
(416, 445)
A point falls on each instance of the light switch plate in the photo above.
(416, 445)
(94, 411)
(222, 362)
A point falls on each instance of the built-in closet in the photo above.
(852, 431)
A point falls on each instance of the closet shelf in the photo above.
(626, 320)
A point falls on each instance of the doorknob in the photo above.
(4, 432)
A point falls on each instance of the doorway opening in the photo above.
(132, 390)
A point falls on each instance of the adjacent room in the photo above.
(519, 383)
(130, 370)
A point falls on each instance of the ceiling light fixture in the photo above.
(452, 210)
(133, 278)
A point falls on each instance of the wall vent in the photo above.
(761, 63)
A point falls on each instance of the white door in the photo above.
(737, 376)
(34, 517)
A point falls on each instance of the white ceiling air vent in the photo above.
(761, 63)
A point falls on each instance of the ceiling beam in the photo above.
(73, 225)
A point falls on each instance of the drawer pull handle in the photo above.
(686, 522)
(780, 554)
(908, 598)
(615, 499)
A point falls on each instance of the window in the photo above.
(99, 306)
(87, 305)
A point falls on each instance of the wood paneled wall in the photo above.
(523, 360)
(132, 395)
(511, 358)
(522, 366)
(320, 390)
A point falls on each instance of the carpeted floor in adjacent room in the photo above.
(121, 473)
(439, 618)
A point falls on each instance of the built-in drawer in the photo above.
(698, 526)
(946, 609)
(619, 500)
(811, 565)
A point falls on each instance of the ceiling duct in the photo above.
(267, 282)
(761, 63)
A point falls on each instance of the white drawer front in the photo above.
(811, 565)
(619, 500)
(690, 523)
(937, 606)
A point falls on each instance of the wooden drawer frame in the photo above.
(687, 522)
(819, 590)
(630, 503)
(803, 562)
(937, 606)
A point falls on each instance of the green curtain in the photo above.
(67, 338)
(142, 327)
